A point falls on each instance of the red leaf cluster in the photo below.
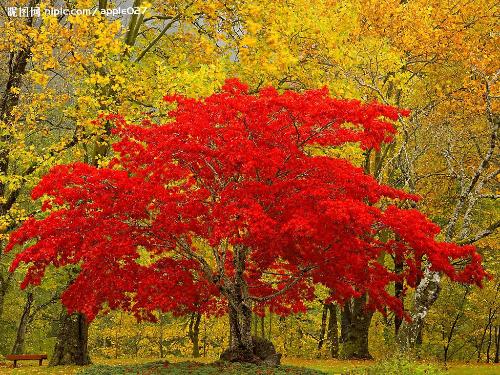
(234, 169)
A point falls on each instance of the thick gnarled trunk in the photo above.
(240, 323)
(355, 325)
(71, 345)
(240, 310)
(242, 346)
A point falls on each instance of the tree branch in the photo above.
(158, 37)
(295, 280)
(485, 233)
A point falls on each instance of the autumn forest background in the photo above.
(438, 58)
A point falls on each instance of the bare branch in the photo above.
(158, 37)
(465, 195)
(485, 233)
(207, 270)
(292, 283)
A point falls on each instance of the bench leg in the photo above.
(15, 363)
(40, 362)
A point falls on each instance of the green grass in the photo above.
(291, 366)
(331, 366)
(328, 366)
(467, 369)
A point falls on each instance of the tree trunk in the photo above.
(117, 337)
(323, 328)
(283, 325)
(18, 347)
(425, 295)
(240, 312)
(398, 291)
(241, 343)
(160, 339)
(489, 346)
(4, 285)
(483, 336)
(138, 338)
(262, 327)
(446, 346)
(255, 324)
(355, 326)
(194, 333)
(270, 332)
(205, 338)
(241, 333)
(497, 344)
(160, 344)
(71, 345)
(333, 332)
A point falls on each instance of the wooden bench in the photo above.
(26, 357)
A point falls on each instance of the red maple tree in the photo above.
(226, 208)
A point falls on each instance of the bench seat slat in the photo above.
(21, 357)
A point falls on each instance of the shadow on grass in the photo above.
(196, 368)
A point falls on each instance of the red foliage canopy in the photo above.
(159, 228)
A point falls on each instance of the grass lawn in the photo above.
(464, 369)
(328, 366)
(331, 366)
(180, 366)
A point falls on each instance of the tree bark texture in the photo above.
(425, 295)
(194, 333)
(72, 341)
(333, 332)
(355, 325)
